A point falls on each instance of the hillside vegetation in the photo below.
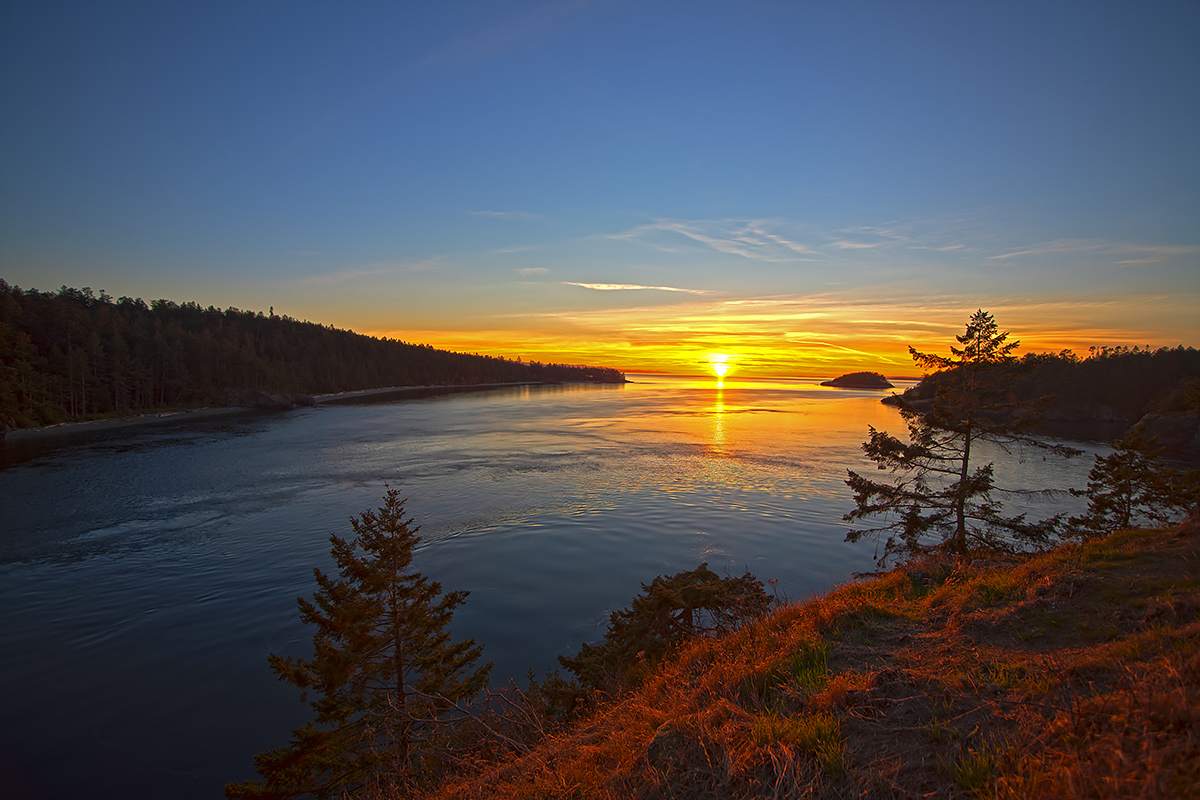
(1110, 383)
(1064, 674)
(70, 354)
(1101, 396)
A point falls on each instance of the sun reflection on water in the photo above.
(718, 437)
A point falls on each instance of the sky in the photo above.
(804, 188)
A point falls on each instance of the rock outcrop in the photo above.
(860, 380)
(1177, 434)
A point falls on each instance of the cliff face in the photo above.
(1178, 434)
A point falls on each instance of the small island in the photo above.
(860, 380)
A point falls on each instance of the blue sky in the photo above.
(801, 185)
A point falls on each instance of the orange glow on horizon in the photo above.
(787, 337)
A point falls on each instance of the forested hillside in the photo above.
(70, 354)
(1110, 383)
(1103, 394)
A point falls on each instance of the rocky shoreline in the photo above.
(1178, 433)
(89, 426)
(241, 403)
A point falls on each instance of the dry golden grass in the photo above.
(1067, 674)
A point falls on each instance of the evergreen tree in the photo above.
(939, 495)
(1123, 486)
(384, 669)
(1132, 486)
(669, 610)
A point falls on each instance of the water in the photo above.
(146, 573)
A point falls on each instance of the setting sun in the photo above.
(719, 362)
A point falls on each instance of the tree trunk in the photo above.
(404, 737)
(960, 502)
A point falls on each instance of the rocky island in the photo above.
(860, 380)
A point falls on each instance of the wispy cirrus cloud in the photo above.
(630, 287)
(780, 241)
(749, 239)
(799, 339)
(529, 272)
(843, 244)
(1137, 253)
(1059, 246)
(963, 238)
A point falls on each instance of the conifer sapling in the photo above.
(383, 670)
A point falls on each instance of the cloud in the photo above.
(628, 287)
(796, 338)
(781, 241)
(1060, 246)
(1154, 252)
(1143, 253)
(843, 244)
(531, 271)
(749, 239)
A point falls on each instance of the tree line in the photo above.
(1109, 384)
(71, 354)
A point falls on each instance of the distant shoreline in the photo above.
(337, 397)
(210, 412)
(133, 420)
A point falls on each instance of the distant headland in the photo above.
(70, 356)
(860, 380)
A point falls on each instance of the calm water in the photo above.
(145, 574)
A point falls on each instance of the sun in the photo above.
(719, 363)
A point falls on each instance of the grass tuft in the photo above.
(974, 772)
(819, 735)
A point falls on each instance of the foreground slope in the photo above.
(1072, 673)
